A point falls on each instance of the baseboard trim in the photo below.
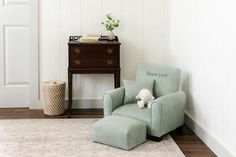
(212, 142)
(77, 104)
(86, 103)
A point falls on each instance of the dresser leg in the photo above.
(70, 85)
(117, 79)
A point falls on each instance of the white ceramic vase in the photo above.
(110, 35)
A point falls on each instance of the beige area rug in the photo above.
(69, 138)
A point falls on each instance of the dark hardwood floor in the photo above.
(188, 142)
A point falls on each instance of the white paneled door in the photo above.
(15, 52)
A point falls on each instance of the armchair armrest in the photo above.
(113, 99)
(168, 112)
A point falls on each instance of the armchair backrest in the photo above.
(167, 79)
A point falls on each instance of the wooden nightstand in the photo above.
(102, 57)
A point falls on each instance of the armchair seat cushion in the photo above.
(132, 111)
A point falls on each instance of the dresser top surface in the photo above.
(94, 43)
(74, 40)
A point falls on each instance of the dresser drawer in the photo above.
(93, 63)
(94, 52)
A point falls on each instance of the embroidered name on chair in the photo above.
(158, 75)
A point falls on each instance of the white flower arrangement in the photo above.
(110, 23)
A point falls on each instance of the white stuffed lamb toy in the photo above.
(146, 98)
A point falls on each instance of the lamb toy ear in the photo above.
(137, 97)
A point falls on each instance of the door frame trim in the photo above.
(34, 97)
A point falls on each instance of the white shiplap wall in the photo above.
(141, 25)
(201, 41)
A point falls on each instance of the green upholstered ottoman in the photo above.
(120, 132)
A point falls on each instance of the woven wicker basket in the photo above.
(53, 97)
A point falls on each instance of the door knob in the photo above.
(77, 62)
(109, 62)
(77, 50)
(110, 51)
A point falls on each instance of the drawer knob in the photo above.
(109, 62)
(77, 62)
(77, 50)
(110, 51)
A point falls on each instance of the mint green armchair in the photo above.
(167, 111)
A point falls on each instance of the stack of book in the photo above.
(89, 38)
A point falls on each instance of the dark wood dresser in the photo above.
(101, 57)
